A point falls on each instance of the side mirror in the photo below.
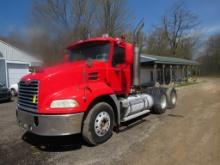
(66, 58)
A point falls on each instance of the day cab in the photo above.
(91, 93)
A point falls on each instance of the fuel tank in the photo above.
(136, 103)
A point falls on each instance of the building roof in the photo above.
(145, 58)
(11, 53)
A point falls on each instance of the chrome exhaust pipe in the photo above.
(137, 51)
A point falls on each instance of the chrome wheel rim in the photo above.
(102, 123)
(163, 102)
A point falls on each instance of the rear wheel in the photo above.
(98, 124)
(160, 103)
(173, 99)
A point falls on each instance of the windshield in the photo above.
(90, 50)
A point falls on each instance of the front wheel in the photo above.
(98, 124)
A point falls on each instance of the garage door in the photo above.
(16, 72)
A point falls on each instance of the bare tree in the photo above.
(60, 21)
(186, 47)
(51, 14)
(177, 24)
(157, 43)
(55, 23)
(112, 16)
(174, 36)
(83, 17)
(211, 56)
(64, 16)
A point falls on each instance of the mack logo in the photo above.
(34, 99)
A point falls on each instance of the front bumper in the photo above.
(50, 125)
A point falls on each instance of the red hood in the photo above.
(54, 79)
(61, 73)
(64, 75)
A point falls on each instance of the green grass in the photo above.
(186, 83)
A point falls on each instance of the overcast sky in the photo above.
(14, 13)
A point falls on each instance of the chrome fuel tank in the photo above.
(136, 103)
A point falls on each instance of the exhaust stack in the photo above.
(137, 51)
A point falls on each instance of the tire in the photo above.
(98, 124)
(13, 92)
(173, 99)
(160, 103)
(10, 98)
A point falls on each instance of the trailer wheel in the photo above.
(160, 103)
(98, 124)
(173, 99)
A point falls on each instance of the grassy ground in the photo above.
(187, 83)
(190, 81)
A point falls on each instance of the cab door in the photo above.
(116, 73)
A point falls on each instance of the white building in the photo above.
(14, 63)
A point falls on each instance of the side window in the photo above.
(118, 56)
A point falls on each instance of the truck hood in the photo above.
(58, 76)
(72, 75)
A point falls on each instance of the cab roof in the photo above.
(96, 39)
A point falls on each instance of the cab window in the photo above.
(118, 56)
(91, 50)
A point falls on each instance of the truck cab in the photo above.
(91, 93)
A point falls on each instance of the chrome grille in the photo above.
(28, 95)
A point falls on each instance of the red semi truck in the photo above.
(95, 90)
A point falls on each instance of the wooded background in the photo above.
(53, 24)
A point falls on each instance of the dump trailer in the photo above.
(94, 91)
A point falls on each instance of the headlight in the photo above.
(67, 103)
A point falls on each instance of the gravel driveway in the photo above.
(188, 134)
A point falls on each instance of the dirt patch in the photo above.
(188, 134)
(191, 136)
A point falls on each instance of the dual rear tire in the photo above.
(160, 103)
(172, 99)
(163, 100)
